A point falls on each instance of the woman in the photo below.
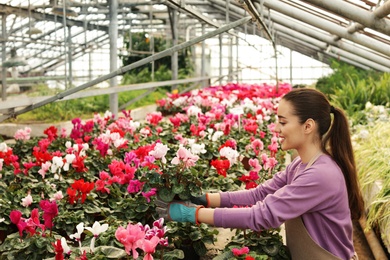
(316, 196)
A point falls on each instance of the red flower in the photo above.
(79, 189)
(221, 165)
(78, 163)
(51, 133)
(59, 251)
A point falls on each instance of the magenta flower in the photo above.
(148, 194)
(134, 186)
(16, 218)
(50, 211)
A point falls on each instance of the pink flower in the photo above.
(23, 134)
(132, 238)
(242, 251)
(149, 247)
(255, 164)
(185, 156)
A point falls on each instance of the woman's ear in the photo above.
(309, 125)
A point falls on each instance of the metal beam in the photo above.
(327, 26)
(327, 50)
(373, 20)
(124, 69)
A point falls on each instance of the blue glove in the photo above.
(180, 211)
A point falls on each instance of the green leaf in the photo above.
(178, 188)
(142, 208)
(173, 255)
(112, 252)
(166, 194)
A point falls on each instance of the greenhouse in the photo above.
(114, 113)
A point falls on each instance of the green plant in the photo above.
(372, 153)
(341, 72)
(265, 245)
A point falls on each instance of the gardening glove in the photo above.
(201, 200)
(180, 211)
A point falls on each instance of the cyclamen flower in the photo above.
(149, 247)
(96, 230)
(147, 195)
(221, 166)
(57, 164)
(50, 211)
(27, 201)
(44, 168)
(132, 237)
(16, 218)
(159, 152)
(185, 156)
(134, 186)
(77, 236)
(230, 154)
(154, 118)
(23, 134)
(242, 251)
(57, 196)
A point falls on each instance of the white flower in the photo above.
(230, 154)
(96, 230)
(57, 164)
(216, 136)
(194, 111)
(3, 147)
(77, 235)
(198, 148)
(2, 220)
(27, 201)
(65, 246)
(69, 158)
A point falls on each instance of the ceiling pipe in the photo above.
(326, 49)
(286, 22)
(335, 56)
(327, 26)
(371, 19)
(289, 23)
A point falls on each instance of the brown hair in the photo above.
(310, 103)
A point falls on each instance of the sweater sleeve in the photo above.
(310, 190)
(252, 196)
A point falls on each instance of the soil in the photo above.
(361, 246)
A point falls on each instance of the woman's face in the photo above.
(291, 132)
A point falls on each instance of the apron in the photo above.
(300, 243)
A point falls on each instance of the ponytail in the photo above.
(338, 142)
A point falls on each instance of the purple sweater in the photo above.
(317, 193)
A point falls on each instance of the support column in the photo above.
(113, 33)
(220, 58)
(4, 57)
(203, 59)
(174, 57)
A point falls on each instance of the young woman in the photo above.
(316, 196)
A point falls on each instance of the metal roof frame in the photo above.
(354, 31)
